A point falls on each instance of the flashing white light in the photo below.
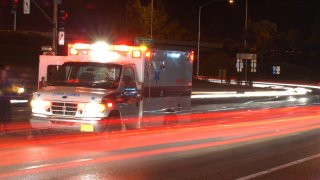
(80, 46)
(174, 55)
(99, 46)
(100, 51)
(123, 48)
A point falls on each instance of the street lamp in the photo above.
(199, 30)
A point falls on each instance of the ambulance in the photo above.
(102, 87)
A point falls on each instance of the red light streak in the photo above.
(220, 128)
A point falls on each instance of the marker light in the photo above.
(191, 56)
(148, 55)
(143, 48)
(73, 51)
(136, 53)
(102, 108)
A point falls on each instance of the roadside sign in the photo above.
(239, 65)
(46, 48)
(276, 70)
(245, 57)
(26, 6)
(143, 40)
(61, 38)
(57, 1)
(254, 65)
(248, 56)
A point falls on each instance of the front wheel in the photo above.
(114, 123)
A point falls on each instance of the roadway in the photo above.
(251, 138)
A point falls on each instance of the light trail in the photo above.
(48, 153)
(279, 89)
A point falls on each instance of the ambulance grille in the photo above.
(68, 109)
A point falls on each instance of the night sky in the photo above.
(219, 20)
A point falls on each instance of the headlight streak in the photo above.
(275, 85)
(283, 89)
(227, 94)
(178, 138)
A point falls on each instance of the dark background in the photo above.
(219, 19)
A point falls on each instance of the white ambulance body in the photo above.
(99, 87)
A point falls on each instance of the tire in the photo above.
(114, 122)
(40, 132)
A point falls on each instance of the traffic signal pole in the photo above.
(52, 21)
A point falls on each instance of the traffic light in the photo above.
(14, 5)
(62, 18)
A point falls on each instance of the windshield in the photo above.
(87, 74)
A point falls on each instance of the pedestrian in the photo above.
(5, 113)
(5, 104)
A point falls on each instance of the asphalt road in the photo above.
(277, 143)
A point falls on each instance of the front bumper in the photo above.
(61, 123)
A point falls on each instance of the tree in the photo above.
(139, 22)
(313, 42)
(264, 33)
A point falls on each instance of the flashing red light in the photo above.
(109, 105)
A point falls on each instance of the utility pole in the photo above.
(15, 21)
(199, 36)
(151, 23)
(54, 29)
(199, 28)
(245, 40)
(246, 26)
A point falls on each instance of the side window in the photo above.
(51, 70)
(128, 78)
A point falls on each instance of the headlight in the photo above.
(92, 108)
(20, 90)
(40, 106)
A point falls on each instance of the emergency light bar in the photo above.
(102, 49)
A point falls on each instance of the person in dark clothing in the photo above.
(5, 112)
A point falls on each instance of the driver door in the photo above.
(131, 97)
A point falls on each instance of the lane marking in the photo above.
(35, 167)
(279, 167)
